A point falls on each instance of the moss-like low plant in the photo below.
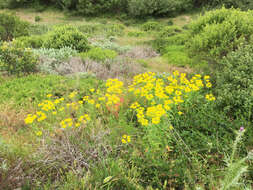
(99, 54)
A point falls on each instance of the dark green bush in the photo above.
(90, 7)
(234, 86)
(66, 36)
(37, 18)
(12, 27)
(243, 4)
(220, 31)
(16, 60)
(157, 7)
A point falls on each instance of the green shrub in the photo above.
(66, 36)
(243, 4)
(151, 26)
(158, 7)
(12, 27)
(90, 7)
(17, 60)
(220, 31)
(30, 41)
(234, 86)
(99, 54)
(37, 18)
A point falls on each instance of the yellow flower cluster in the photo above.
(155, 98)
(66, 123)
(126, 139)
(113, 91)
(161, 95)
(207, 80)
(155, 113)
(210, 97)
(40, 116)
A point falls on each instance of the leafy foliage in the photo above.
(66, 36)
(12, 27)
(158, 7)
(220, 31)
(17, 60)
(34, 41)
(235, 83)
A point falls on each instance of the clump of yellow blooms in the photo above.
(126, 139)
(160, 95)
(210, 97)
(113, 91)
(155, 98)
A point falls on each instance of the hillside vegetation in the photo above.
(126, 100)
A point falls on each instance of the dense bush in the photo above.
(235, 83)
(139, 8)
(17, 60)
(90, 7)
(158, 7)
(66, 36)
(243, 4)
(220, 31)
(11, 27)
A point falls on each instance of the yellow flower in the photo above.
(57, 101)
(210, 97)
(72, 95)
(39, 133)
(180, 113)
(30, 118)
(91, 102)
(171, 127)
(98, 105)
(206, 77)
(126, 139)
(49, 95)
(209, 85)
(92, 90)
